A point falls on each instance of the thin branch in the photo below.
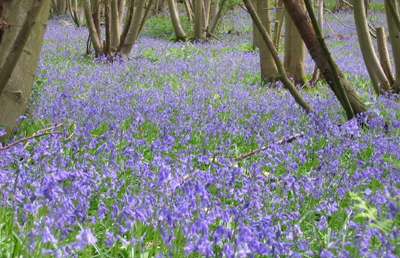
(284, 141)
(337, 18)
(28, 138)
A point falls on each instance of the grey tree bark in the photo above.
(15, 95)
(375, 71)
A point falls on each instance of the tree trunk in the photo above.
(97, 44)
(294, 53)
(115, 25)
(394, 33)
(14, 98)
(287, 58)
(318, 50)
(269, 71)
(297, 70)
(282, 75)
(77, 12)
(198, 19)
(95, 11)
(206, 15)
(107, 11)
(342, 6)
(216, 16)
(378, 77)
(280, 16)
(384, 54)
(121, 11)
(133, 30)
(176, 23)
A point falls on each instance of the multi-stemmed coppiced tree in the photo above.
(202, 14)
(76, 11)
(19, 56)
(117, 41)
(59, 6)
(307, 25)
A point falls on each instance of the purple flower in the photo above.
(85, 237)
(322, 224)
(48, 237)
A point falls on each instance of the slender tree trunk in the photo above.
(342, 5)
(287, 58)
(107, 48)
(384, 54)
(133, 30)
(115, 25)
(282, 75)
(269, 71)
(77, 12)
(216, 16)
(318, 50)
(280, 16)
(179, 32)
(206, 15)
(127, 25)
(297, 70)
(15, 95)
(198, 19)
(189, 12)
(394, 33)
(96, 17)
(378, 77)
(97, 44)
(121, 11)
(61, 6)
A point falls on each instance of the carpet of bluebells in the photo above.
(142, 164)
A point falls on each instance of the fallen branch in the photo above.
(28, 138)
(214, 36)
(284, 141)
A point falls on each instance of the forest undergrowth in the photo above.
(139, 158)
